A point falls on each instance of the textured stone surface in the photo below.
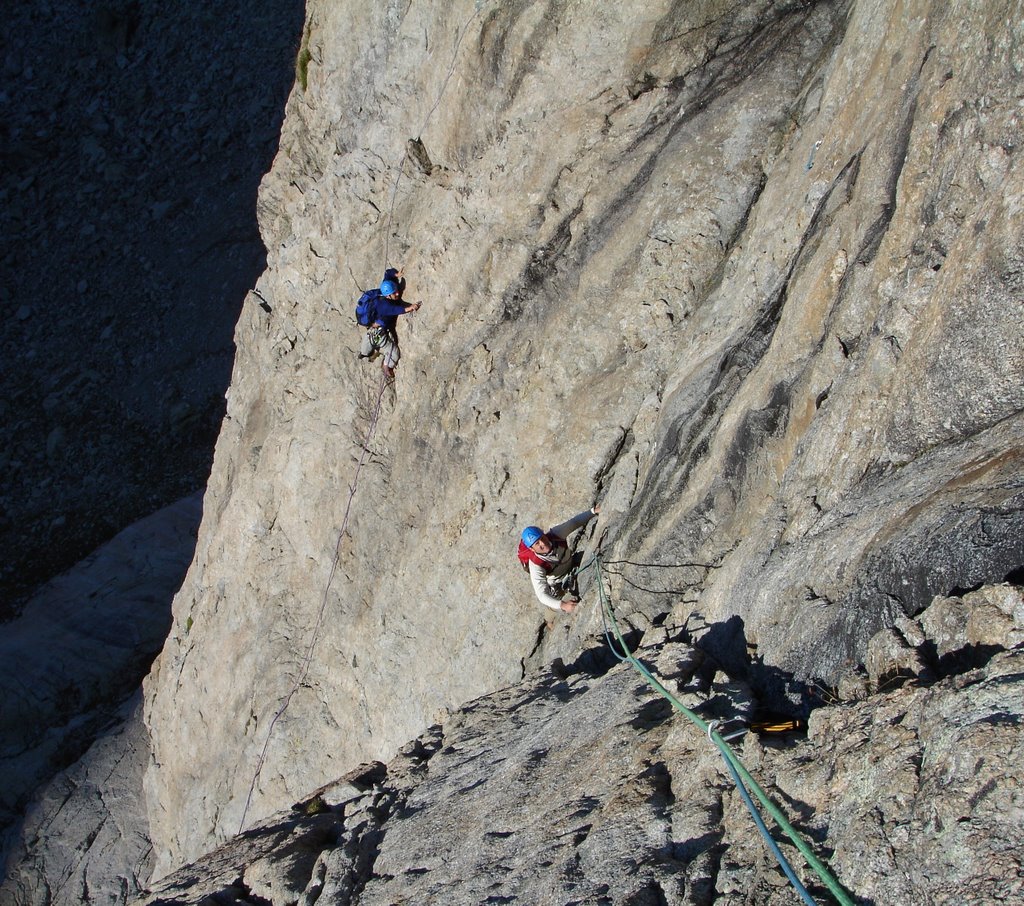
(748, 275)
(84, 837)
(932, 789)
(82, 645)
(589, 788)
(989, 617)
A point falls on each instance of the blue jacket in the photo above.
(387, 311)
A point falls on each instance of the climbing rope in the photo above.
(605, 564)
(743, 777)
(307, 660)
(759, 823)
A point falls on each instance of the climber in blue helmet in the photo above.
(548, 560)
(378, 310)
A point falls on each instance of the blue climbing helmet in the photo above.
(388, 287)
(530, 535)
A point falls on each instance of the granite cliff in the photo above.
(749, 276)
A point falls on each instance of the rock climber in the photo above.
(546, 556)
(378, 310)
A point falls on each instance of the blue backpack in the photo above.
(366, 307)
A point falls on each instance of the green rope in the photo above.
(819, 867)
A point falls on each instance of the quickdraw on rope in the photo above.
(740, 774)
(307, 660)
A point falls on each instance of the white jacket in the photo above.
(560, 561)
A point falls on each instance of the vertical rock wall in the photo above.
(749, 276)
(847, 444)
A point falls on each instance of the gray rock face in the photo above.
(988, 618)
(748, 276)
(82, 645)
(72, 755)
(583, 787)
(84, 837)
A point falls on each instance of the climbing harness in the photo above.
(379, 337)
(741, 775)
(385, 380)
(307, 660)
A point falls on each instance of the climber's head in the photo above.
(536, 540)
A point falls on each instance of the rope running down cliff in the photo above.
(308, 658)
(740, 774)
